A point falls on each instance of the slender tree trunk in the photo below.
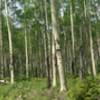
(54, 67)
(81, 56)
(10, 45)
(5, 64)
(85, 10)
(46, 36)
(26, 45)
(1, 42)
(30, 52)
(54, 76)
(72, 27)
(26, 55)
(72, 35)
(92, 52)
(91, 42)
(86, 61)
(57, 45)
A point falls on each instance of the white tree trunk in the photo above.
(92, 52)
(72, 28)
(10, 45)
(26, 55)
(55, 38)
(54, 80)
(87, 14)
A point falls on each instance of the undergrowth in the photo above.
(35, 89)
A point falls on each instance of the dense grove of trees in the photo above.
(49, 39)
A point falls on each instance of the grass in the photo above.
(22, 90)
(35, 89)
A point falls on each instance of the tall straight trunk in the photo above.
(72, 34)
(72, 27)
(54, 69)
(10, 45)
(92, 51)
(1, 42)
(53, 58)
(86, 38)
(56, 40)
(46, 38)
(26, 54)
(26, 45)
(90, 39)
(30, 51)
(85, 10)
(81, 56)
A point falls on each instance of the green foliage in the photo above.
(35, 89)
(22, 90)
(88, 89)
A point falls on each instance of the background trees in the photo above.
(51, 39)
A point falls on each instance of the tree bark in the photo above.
(1, 42)
(10, 45)
(26, 55)
(91, 42)
(92, 52)
(46, 38)
(72, 35)
(56, 39)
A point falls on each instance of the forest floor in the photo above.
(35, 89)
